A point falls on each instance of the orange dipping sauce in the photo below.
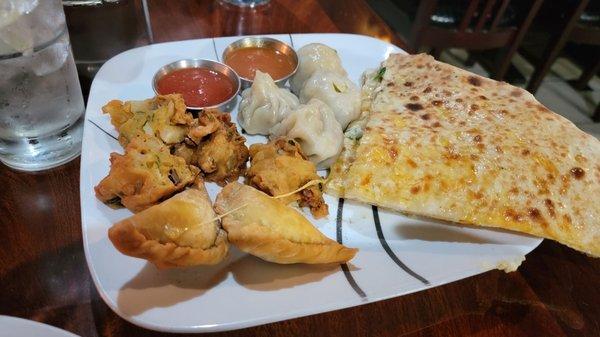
(200, 87)
(245, 61)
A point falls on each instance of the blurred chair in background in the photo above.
(474, 25)
(568, 28)
(113, 25)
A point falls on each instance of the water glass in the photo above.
(41, 105)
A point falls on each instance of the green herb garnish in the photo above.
(379, 76)
(340, 89)
(335, 87)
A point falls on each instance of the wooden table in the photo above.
(44, 277)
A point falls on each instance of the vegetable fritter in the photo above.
(163, 116)
(279, 167)
(146, 174)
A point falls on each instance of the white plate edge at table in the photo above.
(87, 193)
(29, 328)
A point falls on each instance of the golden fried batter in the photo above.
(266, 228)
(163, 116)
(146, 174)
(279, 167)
(214, 145)
(178, 232)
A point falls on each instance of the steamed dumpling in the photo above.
(314, 127)
(264, 104)
(337, 91)
(313, 57)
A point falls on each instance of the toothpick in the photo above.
(307, 185)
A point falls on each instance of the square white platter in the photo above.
(397, 254)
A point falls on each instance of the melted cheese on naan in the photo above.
(442, 142)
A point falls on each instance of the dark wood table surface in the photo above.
(44, 276)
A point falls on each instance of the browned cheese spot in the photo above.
(474, 81)
(411, 163)
(477, 138)
(437, 102)
(427, 90)
(459, 100)
(474, 107)
(436, 125)
(414, 106)
(542, 108)
(476, 195)
(525, 152)
(425, 117)
(565, 184)
(393, 153)
(577, 173)
(483, 97)
(580, 159)
(408, 84)
(511, 214)
(535, 214)
(516, 93)
(414, 98)
(391, 84)
(426, 182)
(514, 190)
(542, 186)
(415, 189)
(366, 180)
(451, 154)
(550, 206)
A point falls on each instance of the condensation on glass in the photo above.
(41, 104)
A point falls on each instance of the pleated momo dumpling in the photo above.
(335, 90)
(314, 127)
(264, 104)
(313, 57)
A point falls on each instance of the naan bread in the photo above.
(442, 142)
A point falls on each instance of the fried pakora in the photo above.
(164, 116)
(265, 227)
(279, 167)
(144, 175)
(215, 146)
(175, 233)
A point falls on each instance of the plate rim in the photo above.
(32, 323)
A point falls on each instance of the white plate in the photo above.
(19, 327)
(398, 255)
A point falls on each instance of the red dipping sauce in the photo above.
(200, 87)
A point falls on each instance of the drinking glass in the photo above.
(113, 25)
(246, 3)
(41, 105)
